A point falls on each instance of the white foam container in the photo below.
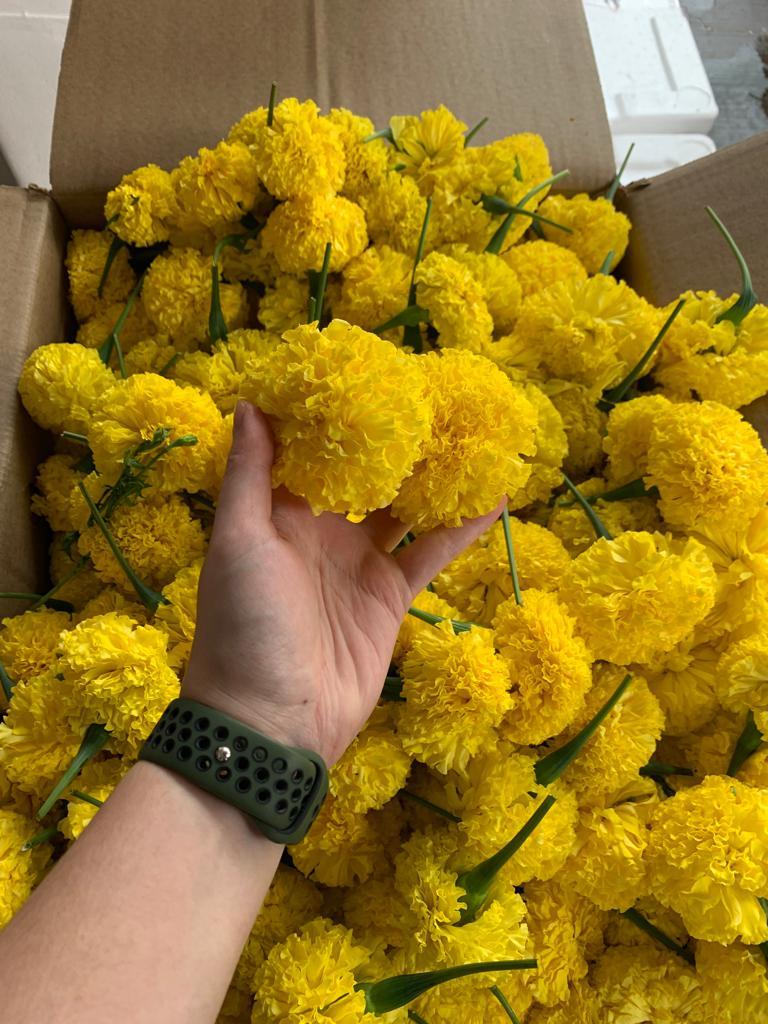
(651, 72)
(655, 153)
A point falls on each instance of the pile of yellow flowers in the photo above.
(566, 767)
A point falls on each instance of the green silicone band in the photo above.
(282, 788)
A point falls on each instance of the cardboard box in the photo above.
(139, 83)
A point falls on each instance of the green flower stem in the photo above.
(271, 107)
(6, 682)
(392, 993)
(95, 738)
(382, 133)
(605, 266)
(113, 339)
(499, 237)
(551, 767)
(469, 135)
(167, 366)
(392, 690)
(19, 596)
(40, 838)
(764, 945)
(495, 204)
(477, 882)
(411, 316)
(633, 489)
(747, 299)
(411, 333)
(645, 925)
(503, 1000)
(655, 769)
(433, 620)
(429, 805)
(114, 248)
(217, 325)
(412, 1015)
(511, 556)
(45, 598)
(148, 597)
(612, 396)
(87, 797)
(597, 524)
(747, 743)
(318, 291)
(610, 193)
(69, 435)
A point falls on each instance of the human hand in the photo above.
(298, 614)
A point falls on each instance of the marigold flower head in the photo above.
(427, 145)
(133, 409)
(20, 870)
(28, 642)
(551, 448)
(221, 372)
(142, 206)
(742, 671)
(684, 681)
(152, 355)
(119, 671)
(298, 231)
(97, 779)
(284, 304)
(510, 167)
(137, 326)
(628, 436)
(177, 297)
(709, 465)
(707, 859)
(87, 253)
(581, 1007)
(84, 584)
(427, 885)
(483, 426)
(636, 596)
(568, 522)
(597, 228)
(216, 187)
(539, 264)
(349, 414)
(373, 768)
(499, 284)
(375, 912)
(375, 286)
(366, 162)
(455, 301)
(707, 750)
(394, 212)
(109, 599)
(62, 385)
(646, 983)
(478, 580)
(734, 982)
(548, 667)
(584, 424)
(58, 497)
(178, 619)
(411, 627)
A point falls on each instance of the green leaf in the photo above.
(747, 743)
(511, 556)
(613, 188)
(271, 107)
(6, 682)
(469, 135)
(477, 882)
(114, 248)
(551, 767)
(428, 805)
(458, 627)
(645, 925)
(503, 1000)
(612, 396)
(747, 299)
(502, 231)
(597, 524)
(95, 738)
(392, 993)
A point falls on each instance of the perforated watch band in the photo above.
(282, 788)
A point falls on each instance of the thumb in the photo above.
(245, 500)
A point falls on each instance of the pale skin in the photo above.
(144, 918)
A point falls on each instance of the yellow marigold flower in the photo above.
(375, 912)
(344, 848)
(707, 859)
(620, 931)
(62, 385)
(742, 672)
(58, 497)
(708, 750)
(140, 208)
(298, 231)
(499, 284)
(221, 372)
(584, 426)
(366, 162)
(539, 264)
(179, 618)
(569, 523)
(177, 297)
(311, 976)
(478, 580)
(97, 328)
(394, 212)
(510, 167)
(589, 332)
(151, 356)
(349, 414)
(20, 870)
(157, 536)
(622, 744)
(411, 627)
(734, 981)
(97, 779)
(284, 304)
(643, 983)
(754, 771)
(684, 681)
(87, 253)
(217, 186)
(455, 301)
(291, 902)
(121, 676)
(111, 600)
(375, 287)
(483, 426)
(427, 145)
(597, 228)
(548, 667)
(28, 642)
(455, 690)
(427, 885)
(373, 768)
(515, 358)
(498, 795)
(636, 596)
(551, 448)
(581, 1007)
(709, 465)
(135, 408)
(83, 586)
(628, 437)
(252, 263)
(459, 218)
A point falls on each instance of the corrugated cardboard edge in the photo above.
(675, 246)
(139, 83)
(32, 298)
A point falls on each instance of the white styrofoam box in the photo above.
(31, 41)
(651, 72)
(659, 152)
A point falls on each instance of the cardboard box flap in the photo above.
(32, 298)
(153, 80)
(675, 246)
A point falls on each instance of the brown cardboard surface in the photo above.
(153, 80)
(675, 246)
(34, 312)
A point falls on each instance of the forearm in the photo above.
(144, 919)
